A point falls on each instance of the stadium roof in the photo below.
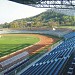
(60, 4)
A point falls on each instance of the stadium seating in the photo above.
(71, 69)
(70, 35)
(53, 62)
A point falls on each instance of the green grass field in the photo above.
(12, 42)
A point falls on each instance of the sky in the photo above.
(10, 11)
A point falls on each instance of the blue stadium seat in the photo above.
(56, 59)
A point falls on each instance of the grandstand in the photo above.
(70, 35)
(13, 61)
(54, 62)
(59, 32)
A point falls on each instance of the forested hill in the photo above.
(46, 19)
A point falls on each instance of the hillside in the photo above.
(45, 19)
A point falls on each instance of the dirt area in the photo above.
(44, 41)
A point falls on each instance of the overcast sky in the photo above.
(10, 11)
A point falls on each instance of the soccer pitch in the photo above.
(10, 43)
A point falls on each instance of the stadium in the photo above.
(38, 50)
